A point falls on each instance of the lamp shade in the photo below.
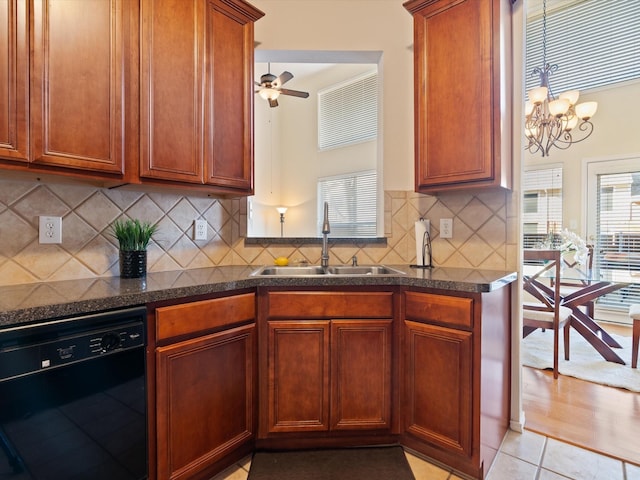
(269, 93)
(528, 108)
(538, 95)
(586, 110)
(558, 107)
(571, 96)
(281, 210)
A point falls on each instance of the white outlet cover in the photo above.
(50, 230)
(446, 228)
(200, 230)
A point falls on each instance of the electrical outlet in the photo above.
(50, 230)
(446, 227)
(200, 230)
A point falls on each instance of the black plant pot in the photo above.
(133, 264)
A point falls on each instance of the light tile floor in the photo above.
(523, 456)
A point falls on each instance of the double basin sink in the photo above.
(316, 270)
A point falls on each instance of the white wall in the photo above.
(340, 25)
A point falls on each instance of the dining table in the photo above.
(587, 285)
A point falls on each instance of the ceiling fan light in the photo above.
(269, 93)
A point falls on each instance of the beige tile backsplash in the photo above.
(483, 232)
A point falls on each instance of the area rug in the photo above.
(584, 361)
(370, 463)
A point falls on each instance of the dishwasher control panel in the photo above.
(31, 349)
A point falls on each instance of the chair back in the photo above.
(575, 270)
(547, 295)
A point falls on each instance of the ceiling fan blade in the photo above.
(282, 79)
(273, 103)
(294, 93)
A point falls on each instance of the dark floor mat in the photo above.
(370, 463)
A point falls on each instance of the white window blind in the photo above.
(348, 113)
(617, 249)
(542, 205)
(352, 204)
(593, 42)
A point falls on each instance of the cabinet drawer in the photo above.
(330, 304)
(194, 317)
(427, 307)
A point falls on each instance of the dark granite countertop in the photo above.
(40, 301)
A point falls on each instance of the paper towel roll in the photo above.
(421, 227)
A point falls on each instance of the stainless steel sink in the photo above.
(315, 270)
(289, 271)
(364, 270)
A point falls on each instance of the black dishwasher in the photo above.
(72, 398)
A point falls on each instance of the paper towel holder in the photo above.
(426, 248)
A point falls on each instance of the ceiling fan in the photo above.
(271, 88)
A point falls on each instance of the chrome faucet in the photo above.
(326, 230)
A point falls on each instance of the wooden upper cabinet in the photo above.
(79, 50)
(14, 80)
(461, 138)
(197, 92)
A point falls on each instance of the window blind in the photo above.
(348, 113)
(542, 205)
(352, 204)
(617, 249)
(593, 42)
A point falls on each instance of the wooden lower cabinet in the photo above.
(456, 372)
(327, 376)
(205, 387)
(428, 369)
(439, 388)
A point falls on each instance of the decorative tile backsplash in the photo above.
(483, 232)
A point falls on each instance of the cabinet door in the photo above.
(438, 389)
(196, 110)
(14, 80)
(172, 90)
(298, 376)
(361, 374)
(457, 94)
(78, 84)
(229, 154)
(205, 392)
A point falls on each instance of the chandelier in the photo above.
(554, 122)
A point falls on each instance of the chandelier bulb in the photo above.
(558, 107)
(586, 110)
(538, 95)
(571, 96)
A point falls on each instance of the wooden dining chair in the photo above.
(545, 312)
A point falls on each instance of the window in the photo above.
(348, 113)
(593, 42)
(352, 204)
(542, 205)
(614, 228)
(531, 202)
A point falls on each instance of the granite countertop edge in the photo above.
(28, 303)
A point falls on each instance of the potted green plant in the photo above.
(133, 238)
